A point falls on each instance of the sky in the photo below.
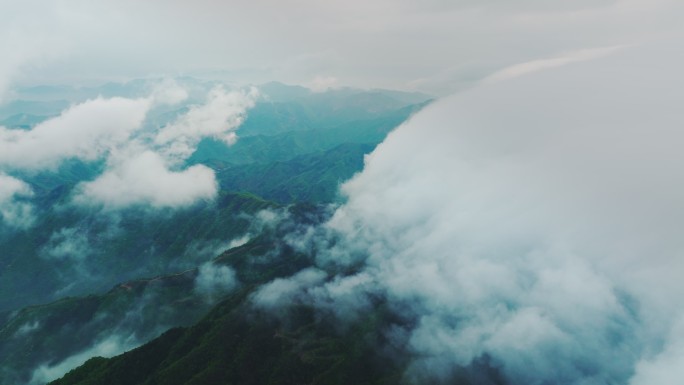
(434, 46)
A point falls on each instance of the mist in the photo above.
(14, 212)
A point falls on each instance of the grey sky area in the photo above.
(434, 46)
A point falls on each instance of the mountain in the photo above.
(39, 340)
(77, 283)
(237, 342)
(262, 148)
(306, 178)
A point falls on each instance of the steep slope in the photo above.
(39, 341)
(106, 249)
(305, 178)
(238, 343)
(281, 146)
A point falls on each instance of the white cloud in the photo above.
(87, 131)
(218, 118)
(215, 280)
(107, 347)
(286, 291)
(27, 328)
(202, 250)
(143, 178)
(14, 212)
(536, 221)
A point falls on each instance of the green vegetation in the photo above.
(295, 149)
(235, 345)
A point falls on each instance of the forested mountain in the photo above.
(119, 278)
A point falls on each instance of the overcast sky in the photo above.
(436, 46)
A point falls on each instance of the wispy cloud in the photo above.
(218, 118)
(214, 281)
(108, 347)
(529, 67)
(68, 244)
(13, 211)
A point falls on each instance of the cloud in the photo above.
(149, 172)
(27, 328)
(111, 39)
(542, 64)
(145, 179)
(323, 83)
(107, 347)
(284, 291)
(215, 280)
(87, 131)
(199, 251)
(68, 244)
(535, 222)
(666, 366)
(14, 211)
(222, 113)
(168, 92)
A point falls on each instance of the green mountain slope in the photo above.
(305, 178)
(232, 346)
(238, 343)
(45, 338)
(284, 146)
(129, 245)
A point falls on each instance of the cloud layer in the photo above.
(14, 212)
(144, 163)
(222, 113)
(144, 179)
(534, 220)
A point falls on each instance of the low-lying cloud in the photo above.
(145, 179)
(222, 113)
(69, 243)
(151, 172)
(13, 211)
(215, 280)
(108, 347)
(534, 222)
(144, 166)
(87, 131)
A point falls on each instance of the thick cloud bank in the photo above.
(534, 220)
